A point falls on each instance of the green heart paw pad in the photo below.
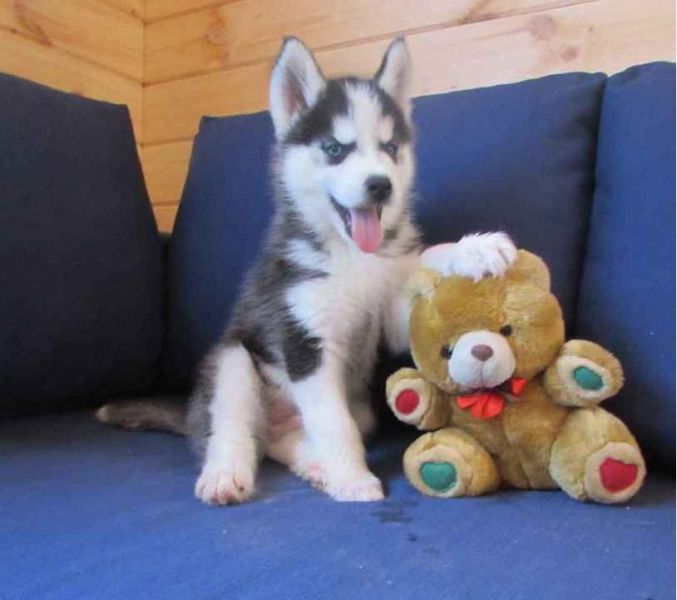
(438, 476)
(588, 379)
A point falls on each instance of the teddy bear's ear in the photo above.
(422, 283)
(530, 268)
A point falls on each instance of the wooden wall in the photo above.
(89, 47)
(173, 61)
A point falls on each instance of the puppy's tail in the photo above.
(159, 414)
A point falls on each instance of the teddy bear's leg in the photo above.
(450, 463)
(584, 374)
(595, 457)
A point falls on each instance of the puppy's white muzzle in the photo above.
(481, 359)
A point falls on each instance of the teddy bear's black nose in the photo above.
(482, 352)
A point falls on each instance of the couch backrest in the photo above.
(627, 299)
(81, 304)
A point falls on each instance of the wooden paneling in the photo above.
(86, 29)
(250, 30)
(45, 64)
(605, 35)
(165, 216)
(165, 167)
(198, 57)
(160, 9)
(131, 7)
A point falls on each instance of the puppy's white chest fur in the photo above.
(346, 309)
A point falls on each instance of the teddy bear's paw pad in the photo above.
(440, 477)
(615, 473)
(439, 471)
(587, 382)
(409, 400)
(588, 379)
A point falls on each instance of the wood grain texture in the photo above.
(165, 168)
(87, 29)
(47, 65)
(135, 8)
(250, 30)
(165, 216)
(605, 35)
(161, 9)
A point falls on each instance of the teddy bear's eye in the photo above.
(506, 330)
(446, 351)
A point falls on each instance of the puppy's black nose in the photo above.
(482, 352)
(379, 188)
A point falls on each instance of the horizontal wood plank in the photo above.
(605, 35)
(162, 9)
(88, 29)
(238, 33)
(131, 7)
(165, 216)
(165, 167)
(25, 58)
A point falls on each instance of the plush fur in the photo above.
(470, 337)
(290, 376)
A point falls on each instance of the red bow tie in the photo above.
(487, 404)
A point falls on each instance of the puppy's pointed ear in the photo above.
(394, 74)
(295, 84)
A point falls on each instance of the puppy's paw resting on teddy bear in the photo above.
(476, 256)
(584, 374)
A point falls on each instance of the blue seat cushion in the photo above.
(627, 299)
(81, 305)
(94, 513)
(518, 158)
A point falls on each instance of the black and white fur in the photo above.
(315, 307)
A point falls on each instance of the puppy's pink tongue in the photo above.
(366, 229)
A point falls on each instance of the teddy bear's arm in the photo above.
(583, 374)
(415, 401)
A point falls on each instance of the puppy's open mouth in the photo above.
(363, 225)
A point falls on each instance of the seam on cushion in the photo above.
(582, 261)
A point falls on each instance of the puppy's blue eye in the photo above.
(390, 148)
(333, 149)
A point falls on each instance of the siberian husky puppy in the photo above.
(290, 375)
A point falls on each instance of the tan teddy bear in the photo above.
(507, 401)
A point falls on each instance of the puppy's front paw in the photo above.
(476, 256)
(221, 486)
(364, 487)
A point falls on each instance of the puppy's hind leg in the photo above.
(225, 420)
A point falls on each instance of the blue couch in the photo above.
(579, 168)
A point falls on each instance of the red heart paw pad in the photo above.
(617, 475)
(406, 401)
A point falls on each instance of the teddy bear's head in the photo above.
(468, 335)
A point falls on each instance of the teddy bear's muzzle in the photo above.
(481, 359)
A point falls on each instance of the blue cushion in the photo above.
(225, 209)
(81, 302)
(516, 157)
(627, 299)
(93, 513)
